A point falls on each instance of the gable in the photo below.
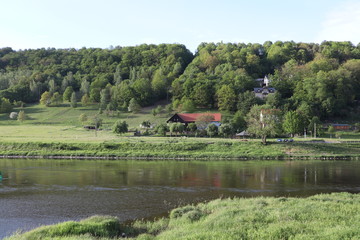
(192, 117)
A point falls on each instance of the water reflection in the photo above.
(36, 192)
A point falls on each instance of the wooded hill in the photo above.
(315, 79)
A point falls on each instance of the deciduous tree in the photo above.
(263, 121)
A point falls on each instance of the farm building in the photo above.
(187, 118)
(341, 126)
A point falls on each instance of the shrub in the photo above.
(120, 127)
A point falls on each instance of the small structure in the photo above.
(264, 90)
(187, 118)
(243, 134)
(342, 127)
(263, 82)
(262, 93)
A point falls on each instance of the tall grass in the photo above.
(97, 226)
(324, 216)
(188, 149)
(328, 216)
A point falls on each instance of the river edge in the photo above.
(156, 158)
(183, 151)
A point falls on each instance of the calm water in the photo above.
(36, 192)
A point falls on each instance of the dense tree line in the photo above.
(321, 80)
(113, 76)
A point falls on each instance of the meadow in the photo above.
(57, 131)
(324, 216)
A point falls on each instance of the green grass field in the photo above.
(325, 216)
(55, 125)
(66, 116)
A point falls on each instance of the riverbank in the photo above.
(183, 149)
(324, 216)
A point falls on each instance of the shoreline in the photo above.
(155, 158)
(181, 151)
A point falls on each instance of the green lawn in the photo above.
(62, 125)
(66, 116)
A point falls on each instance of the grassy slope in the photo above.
(328, 216)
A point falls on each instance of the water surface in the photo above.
(37, 192)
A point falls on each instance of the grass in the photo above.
(60, 125)
(324, 216)
(66, 116)
(94, 227)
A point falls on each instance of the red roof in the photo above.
(192, 117)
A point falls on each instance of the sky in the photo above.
(36, 24)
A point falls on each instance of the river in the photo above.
(38, 192)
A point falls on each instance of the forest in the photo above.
(313, 80)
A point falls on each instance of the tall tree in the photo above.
(263, 121)
(134, 107)
(292, 123)
(67, 93)
(45, 99)
(73, 101)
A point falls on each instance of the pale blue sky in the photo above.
(89, 23)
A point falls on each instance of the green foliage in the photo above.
(177, 128)
(314, 126)
(192, 127)
(56, 99)
(292, 123)
(162, 129)
(322, 216)
(134, 107)
(263, 121)
(226, 98)
(21, 116)
(93, 227)
(73, 101)
(67, 93)
(120, 127)
(212, 130)
(238, 122)
(97, 122)
(45, 98)
(226, 130)
(188, 105)
(322, 79)
(5, 105)
(246, 101)
(157, 110)
(105, 97)
(85, 100)
(83, 118)
(169, 109)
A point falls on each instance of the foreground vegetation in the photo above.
(324, 216)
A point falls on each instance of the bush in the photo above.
(120, 127)
(97, 226)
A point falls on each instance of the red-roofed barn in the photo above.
(193, 117)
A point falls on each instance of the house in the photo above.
(187, 118)
(263, 82)
(262, 93)
(264, 89)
